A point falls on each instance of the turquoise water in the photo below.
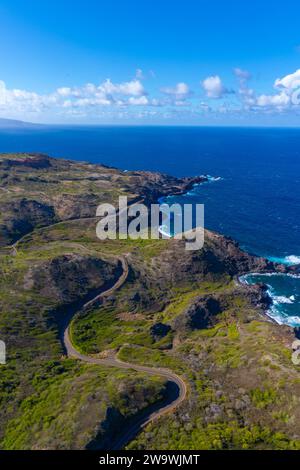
(285, 293)
(283, 289)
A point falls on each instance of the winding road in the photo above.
(178, 385)
(177, 389)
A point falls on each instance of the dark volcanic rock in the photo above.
(225, 255)
(29, 160)
(68, 278)
(135, 297)
(200, 314)
(258, 295)
(159, 330)
(151, 186)
(22, 216)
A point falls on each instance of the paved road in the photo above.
(175, 396)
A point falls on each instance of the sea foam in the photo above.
(279, 309)
(290, 260)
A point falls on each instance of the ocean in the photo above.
(255, 200)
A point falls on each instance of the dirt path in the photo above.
(14, 246)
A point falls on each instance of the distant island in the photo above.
(15, 124)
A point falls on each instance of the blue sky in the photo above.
(151, 62)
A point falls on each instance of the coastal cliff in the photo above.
(37, 190)
(177, 309)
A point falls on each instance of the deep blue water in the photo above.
(257, 201)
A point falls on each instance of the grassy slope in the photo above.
(243, 388)
(69, 403)
(47, 401)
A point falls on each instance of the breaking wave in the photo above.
(289, 260)
(283, 289)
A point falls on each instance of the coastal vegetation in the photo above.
(177, 309)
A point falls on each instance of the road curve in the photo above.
(156, 410)
(153, 412)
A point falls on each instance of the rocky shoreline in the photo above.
(23, 208)
(178, 309)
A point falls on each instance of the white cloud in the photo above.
(134, 88)
(64, 91)
(86, 102)
(278, 101)
(138, 101)
(22, 100)
(242, 74)
(287, 87)
(214, 87)
(290, 81)
(127, 98)
(106, 90)
(107, 93)
(156, 102)
(246, 94)
(180, 91)
(181, 103)
(204, 107)
(18, 103)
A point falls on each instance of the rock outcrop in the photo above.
(69, 278)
